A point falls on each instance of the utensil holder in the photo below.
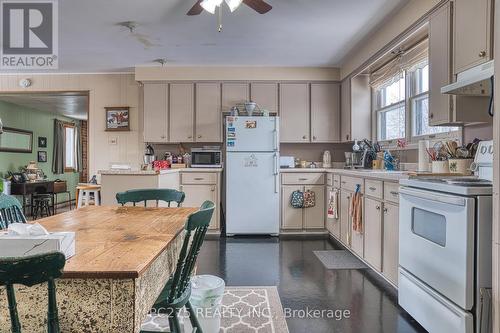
(461, 166)
(440, 167)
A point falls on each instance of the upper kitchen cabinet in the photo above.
(234, 93)
(446, 110)
(325, 112)
(294, 112)
(155, 96)
(440, 71)
(355, 108)
(208, 115)
(472, 33)
(265, 95)
(181, 112)
(345, 110)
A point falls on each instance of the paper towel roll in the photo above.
(423, 156)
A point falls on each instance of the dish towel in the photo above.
(355, 211)
(332, 210)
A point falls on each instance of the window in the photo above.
(419, 103)
(391, 118)
(401, 99)
(69, 148)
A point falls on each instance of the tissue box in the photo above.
(19, 246)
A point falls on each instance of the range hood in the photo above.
(475, 81)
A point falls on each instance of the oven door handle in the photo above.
(430, 196)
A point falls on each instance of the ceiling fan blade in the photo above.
(196, 9)
(260, 6)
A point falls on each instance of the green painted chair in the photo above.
(30, 271)
(10, 211)
(135, 196)
(175, 295)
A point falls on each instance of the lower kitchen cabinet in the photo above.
(291, 218)
(390, 256)
(198, 191)
(358, 238)
(314, 217)
(305, 218)
(332, 224)
(373, 233)
(345, 225)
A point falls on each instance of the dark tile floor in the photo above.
(304, 283)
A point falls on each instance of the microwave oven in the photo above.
(206, 158)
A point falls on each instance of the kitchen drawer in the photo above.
(333, 180)
(374, 188)
(198, 178)
(350, 183)
(303, 178)
(391, 192)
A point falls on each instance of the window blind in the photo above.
(407, 60)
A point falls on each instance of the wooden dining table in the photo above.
(124, 256)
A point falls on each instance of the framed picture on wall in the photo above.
(42, 156)
(42, 142)
(117, 118)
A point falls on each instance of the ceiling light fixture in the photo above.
(233, 4)
(211, 5)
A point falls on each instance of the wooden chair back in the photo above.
(145, 195)
(30, 271)
(10, 211)
(195, 229)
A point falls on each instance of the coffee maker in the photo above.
(149, 154)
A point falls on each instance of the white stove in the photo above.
(445, 227)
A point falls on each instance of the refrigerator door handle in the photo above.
(276, 174)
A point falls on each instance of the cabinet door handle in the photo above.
(163, 136)
(431, 115)
(199, 178)
(385, 210)
(482, 54)
(314, 137)
(394, 193)
(377, 207)
(213, 189)
(190, 137)
(304, 137)
(302, 179)
(199, 136)
(371, 188)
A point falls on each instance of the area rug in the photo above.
(243, 310)
(339, 259)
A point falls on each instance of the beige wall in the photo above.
(236, 73)
(104, 90)
(388, 30)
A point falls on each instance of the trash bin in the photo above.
(206, 300)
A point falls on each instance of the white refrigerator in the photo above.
(252, 175)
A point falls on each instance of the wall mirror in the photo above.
(16, 140)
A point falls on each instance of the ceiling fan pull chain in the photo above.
(220, 19)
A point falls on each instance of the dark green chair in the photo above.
(135, 196)
(30, 271)
(10, 211)
(175, 295)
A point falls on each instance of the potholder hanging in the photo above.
(309, 199)
(297, 199)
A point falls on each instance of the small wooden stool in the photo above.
(83, 193)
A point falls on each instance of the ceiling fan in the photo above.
(260, 6)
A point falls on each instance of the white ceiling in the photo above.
(71, 104)
(294, 33)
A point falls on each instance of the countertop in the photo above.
(365, 173)
(153, 172)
